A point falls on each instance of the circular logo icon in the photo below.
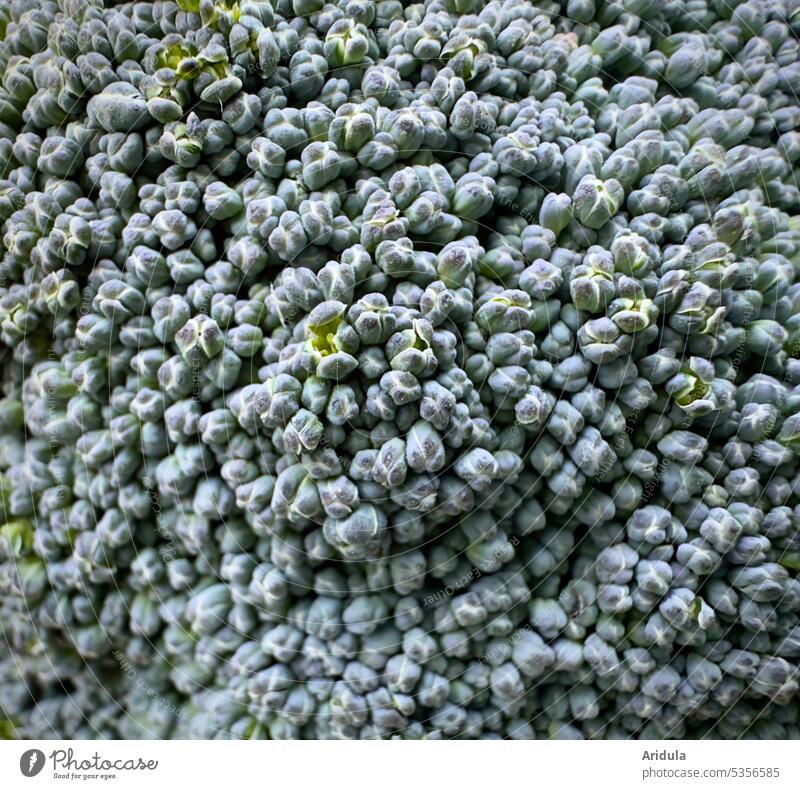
(31, 762)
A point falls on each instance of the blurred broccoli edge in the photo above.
(374, 369)
(8, 730)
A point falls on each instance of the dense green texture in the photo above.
(374, 369)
